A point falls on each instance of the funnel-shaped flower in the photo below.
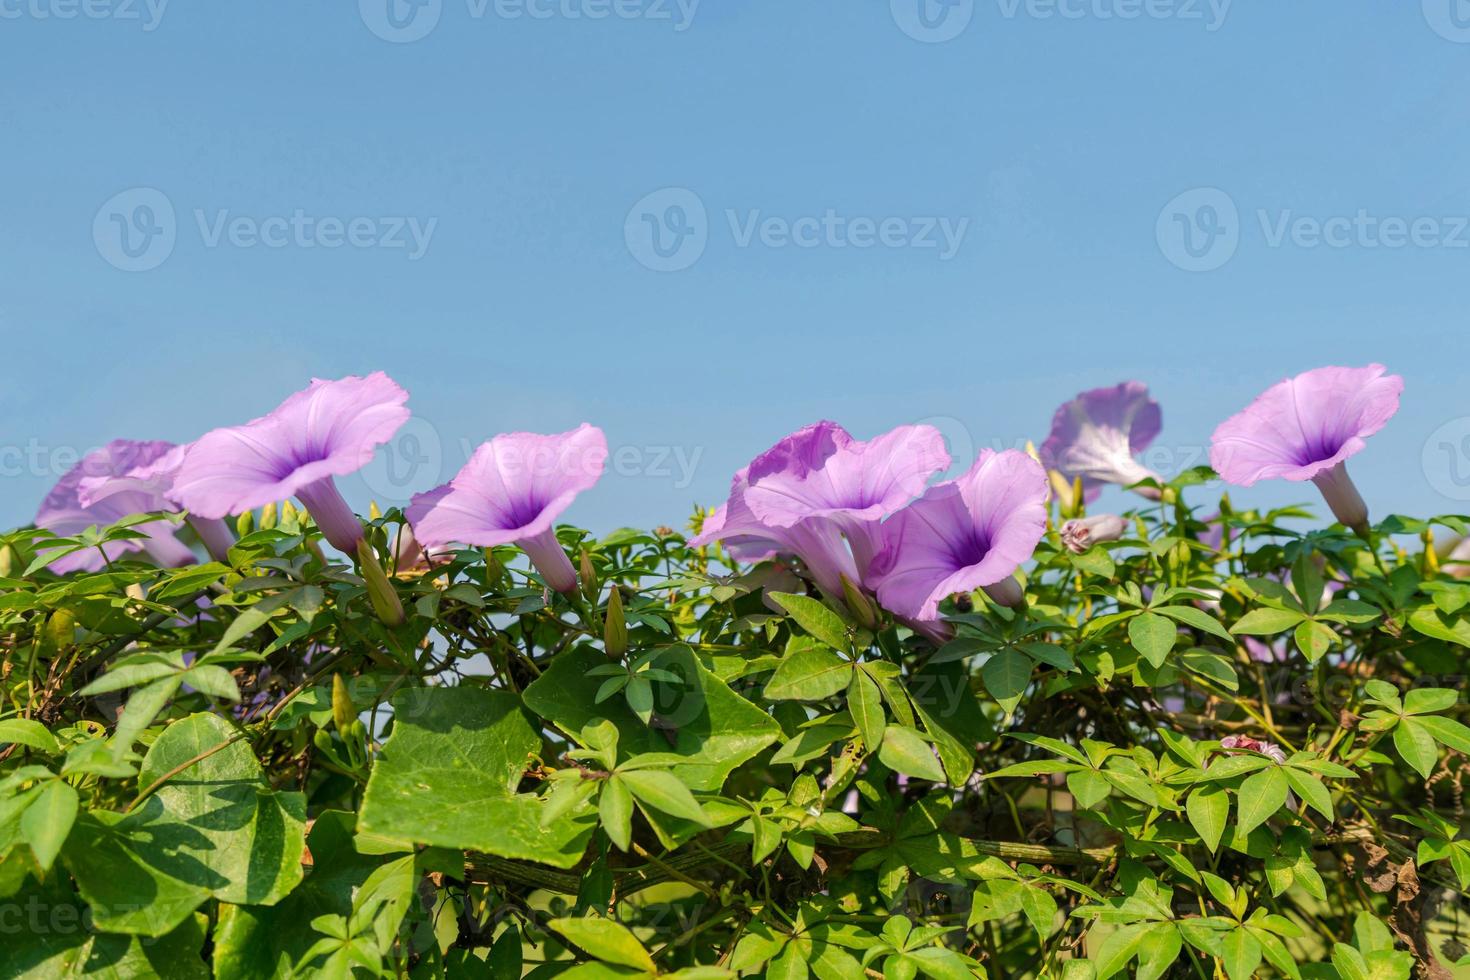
(817, 541)
(964, 534)
(66, 511)
(148, 486)
(1096, 435)
(1304, 428)
(330, 429)
(855, 486)
(511, 491)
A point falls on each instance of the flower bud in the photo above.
(269, 515)
(380, 591)
(1081, 534)
(245, 523)
(588, 576)
(344, 712)
(615, 626)
(7, 560)
(859, 604)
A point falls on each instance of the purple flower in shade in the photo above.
(510, 492)
(1244, 743)
(1096, 435)
(147, 487)
(967, 533)
(854, 486)
(1084, 532)
(817, 541)
(328, 430)
(1304, 428)
(66, 513)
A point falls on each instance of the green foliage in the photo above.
(1181, 758)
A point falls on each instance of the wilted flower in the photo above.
(854, 486)
(1304, 428)
(66, 511)
(330, 429)
(510, 492)
(967, 533)
(1096, 435)
(147, 486)
(1246, 743)
(1084, 532)
(817, 541)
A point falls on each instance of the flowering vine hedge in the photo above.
(863, 721)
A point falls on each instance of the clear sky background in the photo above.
(1130, 189)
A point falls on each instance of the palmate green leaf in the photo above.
(213, 829)
(448, 775)
(1266, 622)
(712, 728)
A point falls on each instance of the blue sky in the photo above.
(865, 211)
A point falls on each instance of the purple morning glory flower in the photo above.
(510, 492)
(330, 429)
(1096, 435)
(150, 483)
(967, 533)
(1305, 428)
(817, 541)
(854, 486)
(66, 513)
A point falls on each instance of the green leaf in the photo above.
(817, 619)
(1446, 731)
(1006, 677)
(865, 703)
(212, 829)
(23, 731)
(808, 672)
(1153, 636)
(1198, 618)
(1415, 745)
(48, 820)
(448, 778)
(1242, 954)
(1208, 808)
(904, 750)
(663, 791)
(1428, 700)
(1267, 622)
(1089, 787)
(1314, 640)
(607, 941)
(615, 812)
(1311, 789)
(1261, 795)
